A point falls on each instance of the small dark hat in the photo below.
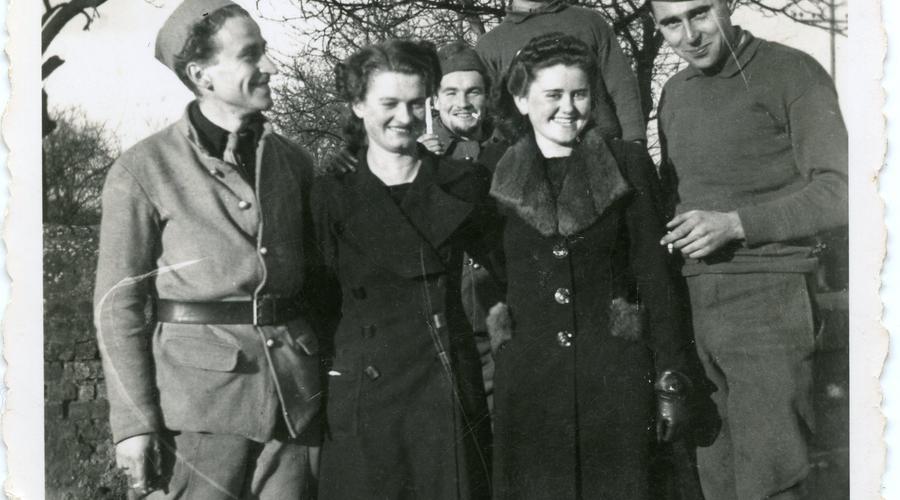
(458, 56)
(174, 33)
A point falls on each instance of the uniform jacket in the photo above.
(480, 290)
(179, 224)
(595, 316)
(401, 423)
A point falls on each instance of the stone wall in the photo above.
(78, 447)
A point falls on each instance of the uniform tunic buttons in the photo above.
(562, 296)
(560, 251)
(243, 205)
(263, 250)
(270, 342)
(564, 338)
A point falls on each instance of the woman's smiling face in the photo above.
(393, 111)
(558, 105)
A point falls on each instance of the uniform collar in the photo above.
(214, 138)
(744, 50)
(518, 16)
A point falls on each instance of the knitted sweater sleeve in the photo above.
(819, 140)
(620, 81)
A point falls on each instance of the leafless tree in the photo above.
(332, 29)
(77, 156)
(56, 16)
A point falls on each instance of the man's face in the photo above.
(393, 111)
(460, 101)
(698, 30)
(238, 76)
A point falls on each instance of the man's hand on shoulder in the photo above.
(699, 233)
(341, 162)
(139, 457)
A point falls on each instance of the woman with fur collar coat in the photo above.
(592, 317)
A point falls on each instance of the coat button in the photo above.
(562, 296)
(564, 338)
(560, 251)
(372, 372)
(243, 205)
(263, 250)
(271, 343)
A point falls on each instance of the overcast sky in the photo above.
(111, 74)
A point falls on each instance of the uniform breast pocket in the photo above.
(342, 394)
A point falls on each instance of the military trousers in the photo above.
(755, 338)
(205, 466)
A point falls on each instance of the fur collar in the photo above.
(592, 184)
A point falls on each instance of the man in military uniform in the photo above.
(754, 142)
(463, 131)
(206, 220)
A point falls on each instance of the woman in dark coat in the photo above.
(406, 413)
(592, 318)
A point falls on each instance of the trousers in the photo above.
(755, 338)
(204, 466)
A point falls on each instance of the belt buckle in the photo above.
(263, 311)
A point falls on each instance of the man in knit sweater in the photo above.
(618, 112)
(753, 137)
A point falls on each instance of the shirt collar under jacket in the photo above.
(517, 16)
(744, 50)
(214, 138)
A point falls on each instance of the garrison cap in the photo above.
(458, 56)
(174, 33)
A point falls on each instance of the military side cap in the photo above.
(174, 33)
(458, 56)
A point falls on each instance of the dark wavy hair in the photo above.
(353, 75)
(540, 52)
(200, 45)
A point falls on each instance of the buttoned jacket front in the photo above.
(406, 413)
(179, 224)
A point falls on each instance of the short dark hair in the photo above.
(353, 75)
(540, 52)
(200, 45)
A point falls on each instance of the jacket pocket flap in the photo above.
(203, 354)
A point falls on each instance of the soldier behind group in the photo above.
(463, 130)
(752, 135)
(618, 112)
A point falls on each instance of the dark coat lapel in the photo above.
(591, 185)
(405, 245)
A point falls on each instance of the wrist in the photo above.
(737, 227)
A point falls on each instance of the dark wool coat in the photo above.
(402, 423)
(574, 402)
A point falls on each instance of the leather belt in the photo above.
(261, 311)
